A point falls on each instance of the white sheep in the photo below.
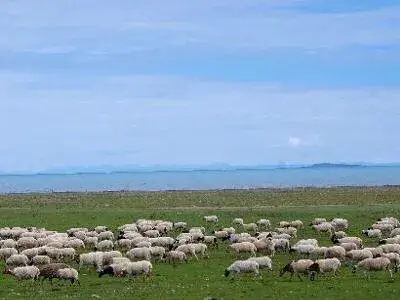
(180, 225)
(264, 223)
(75, 243)
(281, 244)
(302, 249)
(335, 252)
(176, 256)
(26, 272)
(376, 251)
(349, 246)
(106, 235)
(297, 267)
(359, 255)
(394, 259)
(138, 268)
(91, 241)
(324, 266)
(265, 245)
(157, 252)
(318, 252)
(120, 260)
(244, 247)
(374, 264)
(41, 260)
(68, 274)
(394, 232)
(313, 242)
(250, 227)
(350, 239)
(287, 230)
(139, 253)
(26, 243)
(210, 219)
(390, 248)
(7, 252)
(105, 245)
(151, 233)
(264, 262)
(324, 227)
(8, 243)
(340, 224)
(17, 260)
(372, 233)
(100, 229)
(296, 224)
(237, 221)
(243, 266)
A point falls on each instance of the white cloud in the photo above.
(295, 141)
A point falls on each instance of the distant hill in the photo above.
(332, 165)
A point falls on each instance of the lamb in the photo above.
(302, 249)
(238, 221)
(359, 255)
(176, 256)
(139, 253)
(7, 252)
(17, 260)
(245, 247)
(374, 264)
(68, 274)
(41, 260)
(372, 233)
(210, 219)
(264, 262)
(335, 252)
(243, 266)
(297, 267)
(104, 245)
(26, 272)
(324, 266)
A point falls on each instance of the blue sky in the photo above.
(92, 82)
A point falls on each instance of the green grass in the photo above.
(199, 279)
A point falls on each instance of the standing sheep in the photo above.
(243, 266)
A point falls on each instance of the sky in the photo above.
(97, 82)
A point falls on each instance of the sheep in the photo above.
(180, 225)
(374, 264)
(284, 224)
(263, 223)
(392, 240)
(100, 229)
(17, 260)
(390, 248)
(324, 227)
(245, 247)
(138, 268)
(237, 221)
(302, 249)
(230, 230)
(93, 259)
(30, 253)
(265, 245)
(375, 251)
(50, 271)
(243, 266)
(176, 256)
(349, 246)
(91, 241)
(372, 233)
(143, 244)
(324, 266)
(157, 252)
(104, 245)
(287, 230)
(350, 239)
(210, 240)
(120, 260)
(7, 252)
(281, 244)
(359, 255)
(318, 252)
(26, 243)
(312, 242)
(165, 242)
(107, 257)
(394, 232)
(340, 224)
(188, 249)
(9, 243)
(385, 228)
(296, 268)
(151, 233)
(335, 252)
(222, 234)
(41, 260)
(66, 253)
(338, 235)
(68, 274)
(394, 259)
(106, 235)
(296, 224)
(26, 272)
(139, 253)
(75, 243)
(250, 227)
(264, 262)
(200, 249)
(115, 269)
(210, 219)
(317, 221)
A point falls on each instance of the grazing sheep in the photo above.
(372, 233)
(375, 251)
(180, 225)
(349, 246)
(17, 260)
(390, 248)
(176, 256)
(164, 241)
(105, 235)
(139, 253)
(302, 249)
(335, 252)
(264, 223)
(157, 252)
(243, 266)
(312, 242)
(230, 230)
(92, 259)
(26, 243)
(392, 240)
(350, 239)
(324, 266)
(26, 272)
(91, 241)
(385, 228)
(324, 227)
(287, 230)
(284, 224)
(68, 274)
(296, 224)
(104, 245)
(210, 240)
(238, 221)
(9, 243)
(244, 247)
(317, 221)
(222, 234)
(281, 244)
(318, 252)
(359, 255)
(340, 224)
(50, 271)
(394, 259)
(7, 252)
(116, 269)
(264, 262)
(75, 243)
(394, 232)
(120, 260)
(296, 268)
(338, 235)
(100, 229)
(41, 260)
(138, 268)
(374, 264)
(265, 245)
(210, 219)
(143, 244)
(250, 227)
(151, 233)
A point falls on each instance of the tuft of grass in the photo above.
(204, 278)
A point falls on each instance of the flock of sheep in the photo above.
(131, 250)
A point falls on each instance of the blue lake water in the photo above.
(194, 180)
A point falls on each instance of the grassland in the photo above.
(204, 278)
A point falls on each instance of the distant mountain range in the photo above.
(106, 169)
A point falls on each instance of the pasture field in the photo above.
(204, 278)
